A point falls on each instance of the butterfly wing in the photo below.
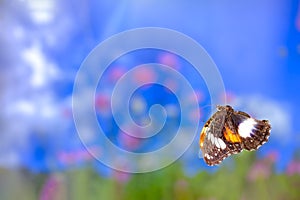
(253, 132)
(214, 146)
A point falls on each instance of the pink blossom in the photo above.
(129, 141)
(199, 95)
(293, 168)
(116, 73)
(121, 177)
(50, 188)
(144, 75)
(272, 156)
(260, 170)
(263, 168)
(78, 156)
(169, 60)
(67, 113)
(102, 104)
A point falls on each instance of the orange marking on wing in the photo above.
(202, 136)
(230, 136)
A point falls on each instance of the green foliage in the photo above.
(241, 177)
(230, 181)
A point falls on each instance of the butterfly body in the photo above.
(229, 132)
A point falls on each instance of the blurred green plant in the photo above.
(243, 177)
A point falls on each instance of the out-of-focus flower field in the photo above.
(255, 46)
(250, 178)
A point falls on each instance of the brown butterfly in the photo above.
(229, 132)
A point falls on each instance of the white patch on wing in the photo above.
(208, 156)
(246, 127)
(205, 155)
(208, 136)
(221, 143)
(212, 138)
(217, 144)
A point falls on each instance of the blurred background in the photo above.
(255, 44)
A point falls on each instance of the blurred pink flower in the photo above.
(169, 59)
(181, 184)
(121, 177)
(293, 168)
(272, 156)
(260, 170)
(199, 96)
(263, 168)
(128, 141)
(50, 188)
(82, 155)
(144, 75)
(67, 113)
(116, 73)
(102, 103)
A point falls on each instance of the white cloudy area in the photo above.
(278, 113)
(29, 105)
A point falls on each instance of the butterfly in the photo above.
(229, 132)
